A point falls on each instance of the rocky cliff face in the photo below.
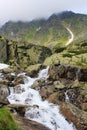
(26, 54)
(22, 54)
(3, 49)
(46, 32)
(68, 72)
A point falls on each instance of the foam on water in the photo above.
(40, 111)
(2, 66)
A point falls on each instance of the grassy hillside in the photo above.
(7, 121)
(51, 33)
(77, 23)
(74, 54)
(48, 32)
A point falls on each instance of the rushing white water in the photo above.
(2, 66)
(40, 111)
(66, 97)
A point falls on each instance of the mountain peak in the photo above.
(66, 14)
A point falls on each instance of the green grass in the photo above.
(6, 120)
(84, 44)
(78, 52)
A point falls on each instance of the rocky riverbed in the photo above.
(66, 87)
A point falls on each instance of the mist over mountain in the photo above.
(48, 31)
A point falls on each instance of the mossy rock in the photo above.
(37, 54)
(56, 59)
(7, 121)
(3, 50)
(32, 70)
(76, 84)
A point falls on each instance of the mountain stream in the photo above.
(40, 111)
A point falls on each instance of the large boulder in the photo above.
(32, 70)
(75, 115)
(26, 54)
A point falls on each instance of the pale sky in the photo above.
(26, 10)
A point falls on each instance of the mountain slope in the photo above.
(50, 32)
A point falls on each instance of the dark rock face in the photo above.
(82, 75)
(3, 49)
(67, 72)
(22, 54)
(26, 54)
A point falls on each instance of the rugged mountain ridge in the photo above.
(22, 54)
(48, 32)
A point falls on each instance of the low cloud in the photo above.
(27, 10)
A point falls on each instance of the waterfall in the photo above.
(66, 97)
(38, 110)
(3, 66)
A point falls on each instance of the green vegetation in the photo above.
(51, 33)
(48, 32)
(74, 54)
(6, 120)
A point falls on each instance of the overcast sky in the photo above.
(27, 10)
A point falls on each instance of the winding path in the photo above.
(72, 37)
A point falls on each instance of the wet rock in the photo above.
(19, 108)
(18, 89)
(75, 115)
(38, 84)
(56, 98)
(32, 70)
(35, 85)
(43, 93)
(4, 92)
(7, 70)
(19, 80)
(25, 124)
(10, 76)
